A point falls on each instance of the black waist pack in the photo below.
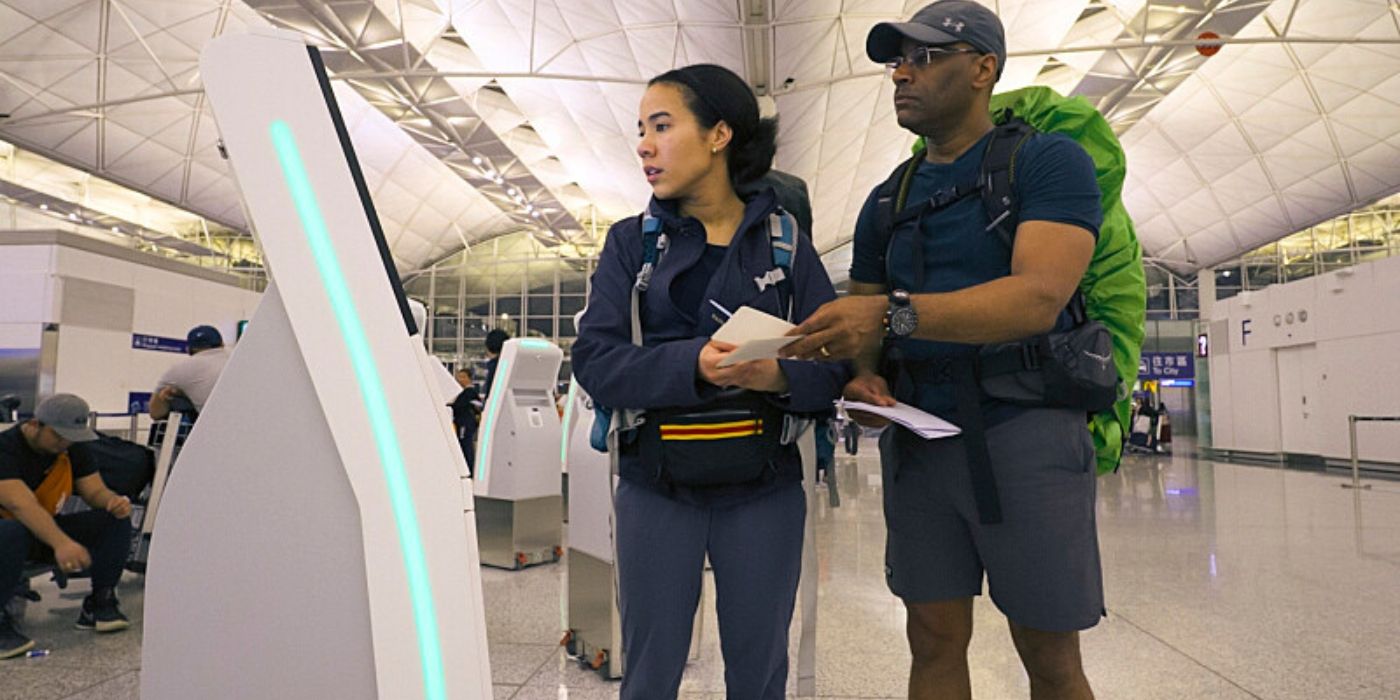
(1066, 369)
(731, 440)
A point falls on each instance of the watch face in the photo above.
(903, 322)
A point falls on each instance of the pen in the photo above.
(722, 310)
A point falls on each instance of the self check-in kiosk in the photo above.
(519, 505)
(313, 540)
(595, 628)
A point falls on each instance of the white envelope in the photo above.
(748, 324)
(759, 349)
(757, 335)
(925, 425)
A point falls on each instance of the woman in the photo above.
(707, 472)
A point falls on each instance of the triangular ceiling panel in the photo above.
(1264, 137)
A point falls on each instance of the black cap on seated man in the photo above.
(36, 477)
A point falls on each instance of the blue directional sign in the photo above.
(157, 343)
(1167, 365)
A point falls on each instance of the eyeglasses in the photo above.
(922, 56)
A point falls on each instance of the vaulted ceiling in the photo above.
(477, 118)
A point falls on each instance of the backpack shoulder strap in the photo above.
(890, 198)
(998, 176)
(782, 239)
(653, 243)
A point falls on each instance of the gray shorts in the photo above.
(1041, 561)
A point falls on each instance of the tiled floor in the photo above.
(1224, 582)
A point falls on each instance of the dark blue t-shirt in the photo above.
(688, 290)
(1054, 181)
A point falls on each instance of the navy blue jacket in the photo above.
(663, 373)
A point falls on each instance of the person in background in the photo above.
(193, 377)
(466, 411)
(36, 477)
(495, 340)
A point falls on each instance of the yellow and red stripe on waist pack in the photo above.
(712, 431)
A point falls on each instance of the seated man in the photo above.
(36, 476)
(193, 377)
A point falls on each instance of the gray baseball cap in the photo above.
(67, 415)
(943, 22)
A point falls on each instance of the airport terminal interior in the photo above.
(379, 222)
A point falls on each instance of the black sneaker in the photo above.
(100, 613)
(12, 643)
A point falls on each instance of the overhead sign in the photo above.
(1167, 365)
(157, 343)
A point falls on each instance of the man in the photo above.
(953, 286)
(36, 476)
(495, 340)
(466, 408)
(193, 377)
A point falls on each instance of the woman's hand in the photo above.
(756, 375)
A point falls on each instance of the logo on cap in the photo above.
(956, 26)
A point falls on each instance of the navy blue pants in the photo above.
(755, 549)
(107, 539)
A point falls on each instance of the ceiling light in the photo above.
(535, 213)
(1153, 38)
(72, 216)
(476, 160)
(45, 207)
(116, 229)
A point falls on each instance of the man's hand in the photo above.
(71, 557)
(871, 389)
(756, 375)
(119, 506)
(843, 329)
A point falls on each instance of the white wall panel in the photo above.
(93, 363)
(1360, 376)
(28, 297)
(25, 258)
(1222, 419)
(1354, 318)
(20, 335)
(1254, 380)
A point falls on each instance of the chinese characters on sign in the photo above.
(1167, 365)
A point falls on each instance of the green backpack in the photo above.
(1114, 285)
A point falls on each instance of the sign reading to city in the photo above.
(1167, 365)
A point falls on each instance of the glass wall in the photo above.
(1366, 234)
(514, 283)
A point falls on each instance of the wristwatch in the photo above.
(900, 318)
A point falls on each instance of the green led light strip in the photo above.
(488, 422)
(372, 393)
(568, 416)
